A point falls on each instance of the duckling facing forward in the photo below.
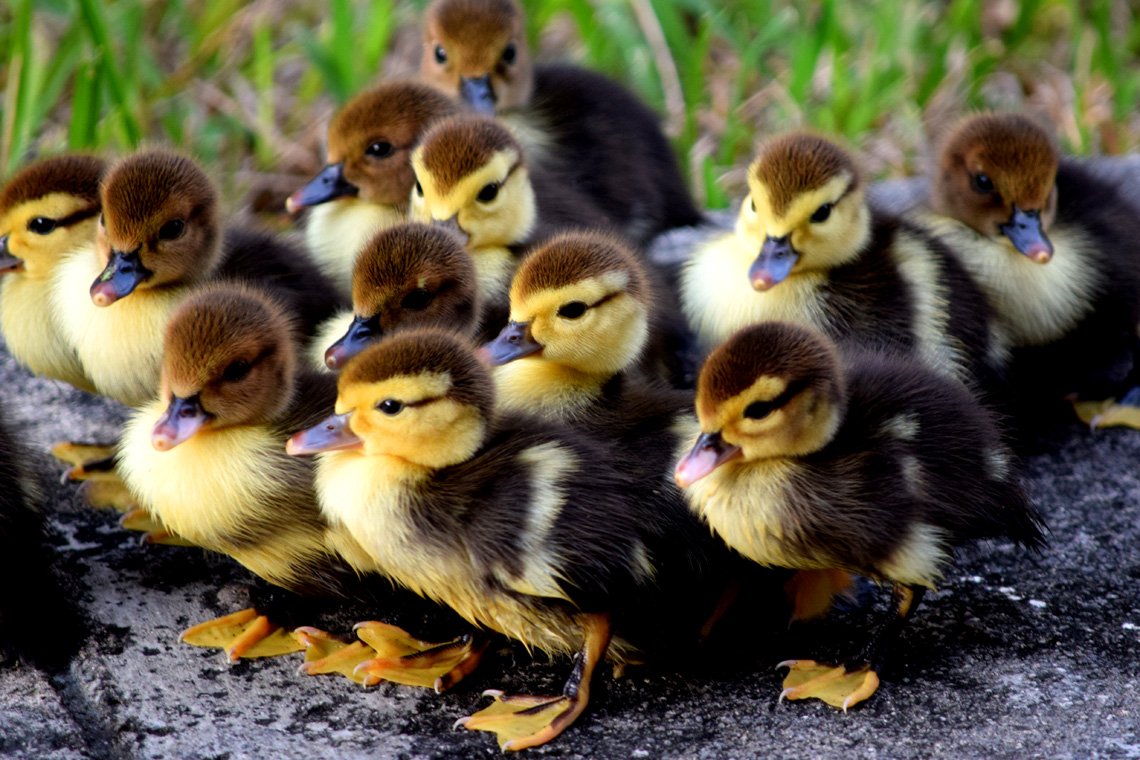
(577, 124)
(519, 527)
(410, 275)
(1057, 252)
(870, 463)
(807, 249)
(368, 180)
(472, 178)
(47, 210)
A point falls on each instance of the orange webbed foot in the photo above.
(836, 685)
(402, 658)
(244, 634)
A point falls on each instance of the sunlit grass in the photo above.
(246, 87)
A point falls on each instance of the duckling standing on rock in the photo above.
(472, 178)
(368, 180)
(1057, 252)
(410, 275)
(807, 249)
(46, 210)
(519, 527)
(867, 463)
(577, 124)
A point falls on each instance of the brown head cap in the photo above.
(76, 175)
(794, 164)
(572, 257)
(460, 145)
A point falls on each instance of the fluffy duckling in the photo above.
(410, 275)
(576, 123)
(472, 178)
(366, 185)
(585, 332)
(870, 463)
(808, 249)
(159, 236)
(519, 527)
(1057, 252)
(46, 210)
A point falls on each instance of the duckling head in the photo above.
(471, 178)
(772, 390)
(369, 143)
(478, 49)
(229, 360)
(159, 226)
(996, 174)
(410, 275)
(580, 300)
(805, 211)
(420, 396)
(47, 209)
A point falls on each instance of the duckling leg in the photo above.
(1111, 413)
(519, 722)
(88, 460)
(246, 633)
(847, 685)
(410, 661)
(811, 591)
(153, 532)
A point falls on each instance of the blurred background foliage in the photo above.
(249, 87)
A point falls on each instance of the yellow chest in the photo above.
(119, 346)
(31, 333)
(494, 268)
(543, 388)
(337, 230)
(718, 299)
(214, 487)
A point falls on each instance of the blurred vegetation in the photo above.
(249, 87)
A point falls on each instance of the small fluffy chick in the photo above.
(47, 210)
(368, 179)
(864, 462)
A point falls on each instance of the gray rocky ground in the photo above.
(1015, 656)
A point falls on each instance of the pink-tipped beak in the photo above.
(183, 418)
(333, 434)
(709, 452)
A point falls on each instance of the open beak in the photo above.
(1025, 232)
(452, 225)
(8, 262)
(774, 264)
(123, 274)
(331, 435)
(182, 419)
(709, 452)
(326, 186)
(478, 94)
(361, 333)
(514, 342)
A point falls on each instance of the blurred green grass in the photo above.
(248, 88)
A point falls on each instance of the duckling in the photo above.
(808, 249)
(207, 459)
(580, 125)
(366, 185)
(866, 462)
(405, 276)
(519, 527)
(158, 237)
(46, 210)
(1056, 250)
(472, 178)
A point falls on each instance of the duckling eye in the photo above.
(982, 184)
(821, 213)
(172, 230)
(236, 371)
(509, 53)
(417, 300)
(379, 149)
(440, 54)
(390, 406)
(758, 410)
(41, 225)
(419, 189)
(572, 310)
(488, 193)
(753, 201)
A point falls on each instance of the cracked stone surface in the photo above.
(1015, 656)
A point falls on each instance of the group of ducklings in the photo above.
(863, 371)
